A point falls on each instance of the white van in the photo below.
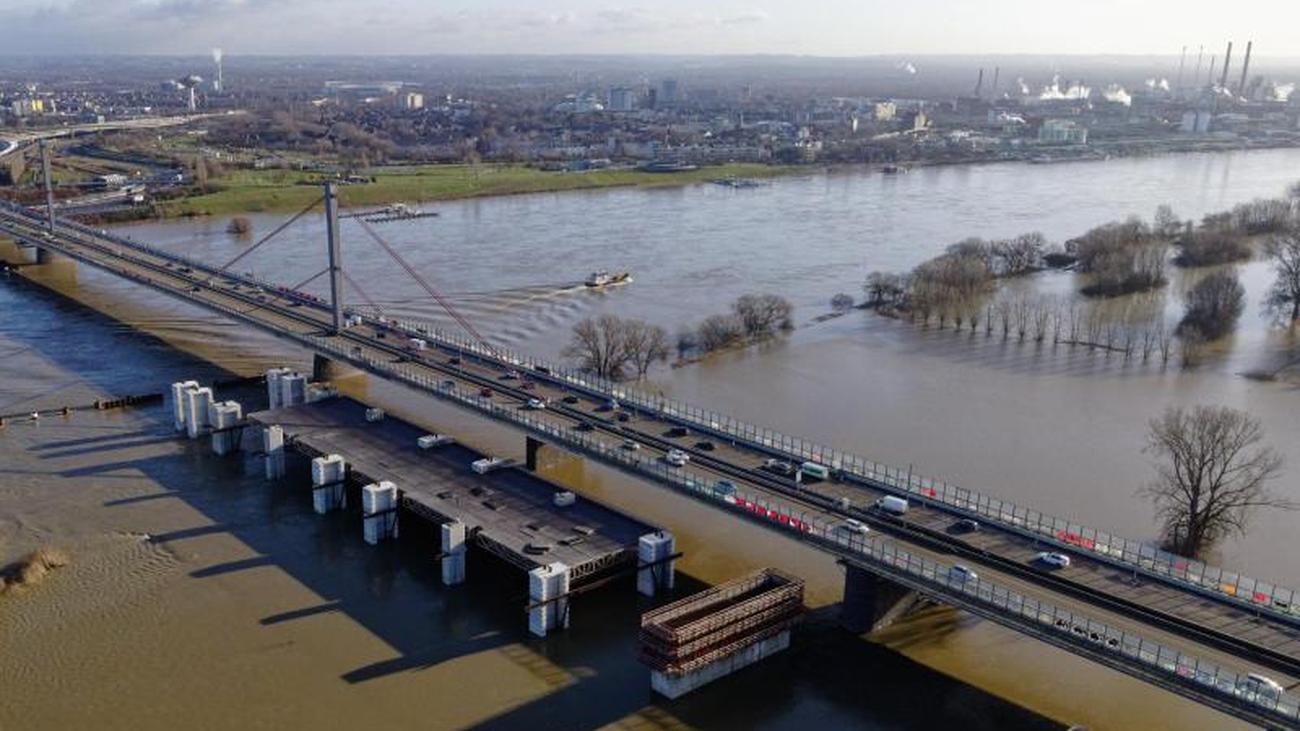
(892, 504)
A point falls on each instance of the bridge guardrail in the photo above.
(933, 576)
(1254, 594)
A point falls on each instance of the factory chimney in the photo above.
(1182, 61)
(1227, 61)
(1196, 76)
(997, 71)
(979, 85)
(217, 56)
(1245, 68)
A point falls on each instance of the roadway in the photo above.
(1193, 624)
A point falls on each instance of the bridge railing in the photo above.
(1257, 595)
(933, 577)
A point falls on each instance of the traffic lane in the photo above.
(519, 400)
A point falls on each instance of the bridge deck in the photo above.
(1174, 615)
(507, 510)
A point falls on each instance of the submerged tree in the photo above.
(1211, 474)
(1213, 306)
(1284, 296)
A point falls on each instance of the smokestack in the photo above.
(1209, 80)
(1245, 68)
(997, 71)
(1227, 61)
(979, 85)
(1182, 61)
(1196, 77)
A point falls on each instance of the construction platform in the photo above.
(506, 511)
(699, 639)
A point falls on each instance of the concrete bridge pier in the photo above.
(873, 602)
(327, 488)
(327, 369)
(654, 557)
(540, 455)
(224, 418)
(273, 448)
(379, 511)
(548, 589)
(49, 256)
(454, 549)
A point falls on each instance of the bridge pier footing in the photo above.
(873, 602)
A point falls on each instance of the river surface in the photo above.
(1055, 428)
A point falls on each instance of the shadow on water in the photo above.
(393, 590)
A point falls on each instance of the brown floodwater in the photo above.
(251, 607)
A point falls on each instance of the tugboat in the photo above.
(603, 278)
(892, 169)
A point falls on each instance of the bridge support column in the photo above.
(654, 552)
(539, 455)
(274, 397)
(328, 369)
(454, 549)
(197, 402)
(224, 418)
(48, 256)
(273, 446)
(327, 489)
(178, 402)
(548, 588)
(379, 512)
(872, 602)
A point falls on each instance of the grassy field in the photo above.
(251, 191)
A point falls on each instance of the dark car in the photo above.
(453, 361)
(966, 525)
(570, 399)
(677, 431)
(485, 392)
(528, 385)
(704, 446)
(624, 416)
(585, 426)
(542, 369)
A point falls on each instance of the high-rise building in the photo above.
(412, 100)
(668, 94)
(622, 99)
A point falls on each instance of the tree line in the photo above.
(615, 347)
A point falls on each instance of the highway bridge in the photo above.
(1214, 636)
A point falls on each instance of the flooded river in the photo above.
(253, 607)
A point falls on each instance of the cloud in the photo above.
(748, 17)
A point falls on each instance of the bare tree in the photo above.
(1214, 305)
(645, 344)
(842, 302)
(600, 345)
(1210, 475)
(1284, 295)
(720, 331)
(762, 314)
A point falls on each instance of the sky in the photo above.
(810, 27)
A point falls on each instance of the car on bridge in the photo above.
(535, 404)
(961, 574)
(854, 526)
(677, 458)
(1055, 560)
(1259, 688)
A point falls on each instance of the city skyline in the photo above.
(569, 27)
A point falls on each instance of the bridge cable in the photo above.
(267, 237)
(348, 278)
(435, 294)
(310, 279)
